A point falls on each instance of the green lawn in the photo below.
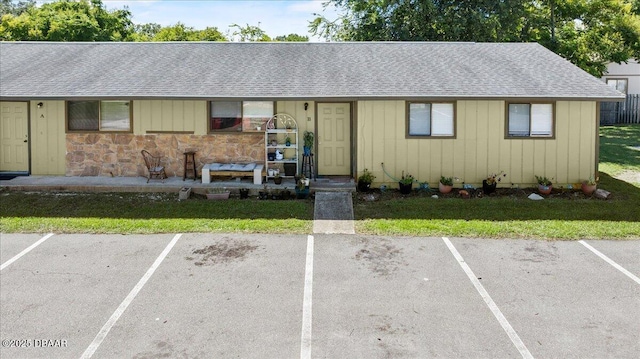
(148, 213)
(511, 215)
(566, 217)
(620, 151)
(571, 216)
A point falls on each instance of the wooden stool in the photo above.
(190, 165)
(307, 166)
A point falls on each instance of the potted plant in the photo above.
(406, 183)
(244, 193)
(217, 193)
(285, 194)
(264, 193)
(302, 188)
(287, 141)
(365, 180)
(544, 184)
(446, 184)
(490, 183)
(308, 138)
(589, 186)
(277, 179)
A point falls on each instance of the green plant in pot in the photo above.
(589, 186)
(307, 139)
(287, 141)
(445, 185)
(277, 179)
(302, 188)
(491, 182)
(544, 184)
(406, 183)
(365, 180)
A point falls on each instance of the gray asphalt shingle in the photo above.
(291, 70)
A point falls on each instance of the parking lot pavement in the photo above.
(15, 243)
(217, 296)
(625, 253)
(380, 297)
(63, 291)
(233, 295)
(564, 301)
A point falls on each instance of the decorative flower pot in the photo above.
(306, 150)
(405, 188)
(302, 193)
(444, 188)
(364, 186)
(277, 180)
(285, 195)
(488, 188)
(545, 189)
(588, 189)
(218, 196)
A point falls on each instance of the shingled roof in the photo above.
(362, 70)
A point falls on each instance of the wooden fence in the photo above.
(621, 112)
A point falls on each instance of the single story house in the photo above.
(428, 109)
(624, 77)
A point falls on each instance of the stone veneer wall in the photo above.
(110, 154)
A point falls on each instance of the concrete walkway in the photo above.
(171, 184)
(333, 213)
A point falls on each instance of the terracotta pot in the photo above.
(588, 189)
(544, 189)
(444, 188)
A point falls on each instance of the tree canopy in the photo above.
(589, 33)
(89, 20)
(64, 20)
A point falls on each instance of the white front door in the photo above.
(14, 136)
(334, 139)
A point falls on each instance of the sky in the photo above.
(274, 17)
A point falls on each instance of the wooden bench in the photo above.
(207, 172)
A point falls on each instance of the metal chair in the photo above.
(156, 170)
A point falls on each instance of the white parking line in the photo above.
(125, 303)
(490, 303)
(610, 261)
(27, 250)
(305, 343)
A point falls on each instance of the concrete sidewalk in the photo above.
(333, 213)
(171, 184)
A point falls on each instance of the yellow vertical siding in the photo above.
(48, 147)
(169, 115)
(480, 147)
(305, 119)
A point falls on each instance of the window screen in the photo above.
(519, 120)
(420, 119)
(83, 115)
(431, 119)
(226, 116)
